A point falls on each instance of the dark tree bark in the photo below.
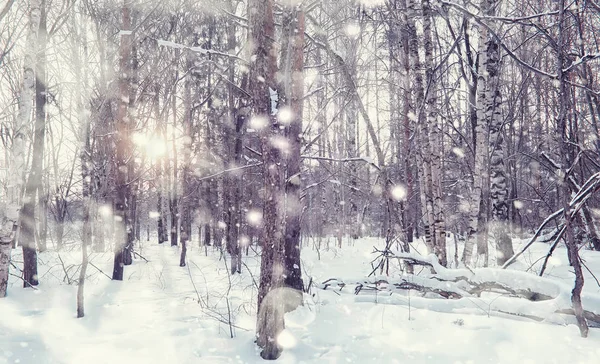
(174, 198)
(233, 182)
(160, 183)
(262, 86)
(185, 206)
(564, 108)
(35, 182)
(293, 92)
(132, 178)
(123, 146)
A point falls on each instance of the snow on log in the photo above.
(503, 292)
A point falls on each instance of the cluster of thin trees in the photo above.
(256, 122)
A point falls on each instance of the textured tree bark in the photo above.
(423, 153)
(10, 214)
(408, 211)
(434, 160)
(233, 182)
(123, 146)
(132, 178)
(185, 206)
(498, 179)
(160, 183)
(174, 197)
(480, 121)
(562, 47)
(42, 233)
(34, 181)
(233, 186)
(293, 92)
(263, 88)
(87, 177)
(87, 227)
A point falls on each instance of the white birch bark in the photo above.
(435, 139)
(423, 153)
(498, 179)
(9, 215)
(480, 169)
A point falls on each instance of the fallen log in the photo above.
(507, 292)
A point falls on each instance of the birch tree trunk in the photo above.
(481, 121)
(434, 160)
(10, 213)
(423, 153)
(86, 162)
(492, 107)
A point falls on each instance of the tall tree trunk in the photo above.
(10, 215)
(174, 198)
(34, 181)
(133, 180)
(435, 138)
(492, 115)
(160, 183)
(562, 47)
(185, 233)
(233, 183)
(233, 187)
(408, 211)
(293, 93)
(423, 153)
(87, 191)
(123, 145)
(87, 188)
(262, 86)
(480, 122)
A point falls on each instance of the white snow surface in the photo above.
(156, 316)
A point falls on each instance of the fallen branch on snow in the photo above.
(515, 293)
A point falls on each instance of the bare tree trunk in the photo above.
(87, 187)
(87, 228)
(160, 183)
(174, 198)
(233, 183)
(10, 213)
(123, 146)
(435, 138)
(186, 198)
(563, 104)
(498, 178)
(293, 92)
(480, 123)
(408, 212)
(133, 180)
(263, 88)
(34, 181)
(423, 153)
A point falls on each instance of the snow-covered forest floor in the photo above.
(163, 313)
